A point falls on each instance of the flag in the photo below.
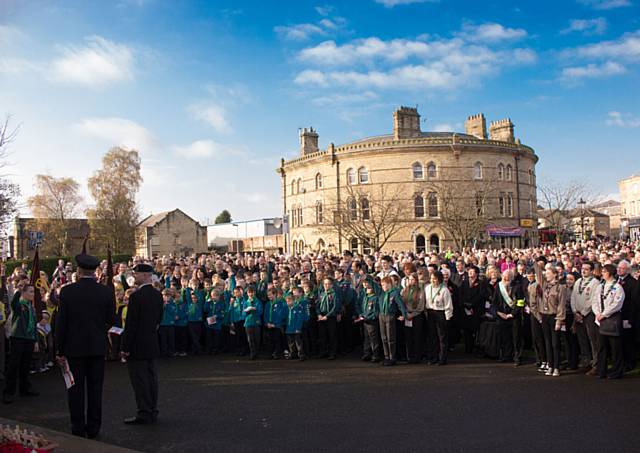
(110, 269)
(37, 282)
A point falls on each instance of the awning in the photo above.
(504, 231)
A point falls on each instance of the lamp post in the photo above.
(237, 237)
(581, 203)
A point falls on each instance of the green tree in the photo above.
(56, 202)
(114, 188)
(223, 217)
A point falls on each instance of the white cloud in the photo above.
(622, 120)
(298, 32)
(491, 32)
(392, 3)
(199, 149)
(324, 10)
(627, 48)
(10, 35)
(96, 63)
(593, 71)
(15, 66)
(341, 99)
(587, 26)
(605, 4)
(119, 132)
(421, 63)
(444, 127)
(215, 115)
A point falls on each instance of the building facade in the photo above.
(29, 232)
(170, 233)
(249, 236)
(417, 175)
(630, 200)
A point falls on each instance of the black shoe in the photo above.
(302, 358)
(29, 393)
(136, 421)
(93, 436)
(79, 434)
(386, 362)
(614, 376)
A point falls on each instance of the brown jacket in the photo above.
(553, 301)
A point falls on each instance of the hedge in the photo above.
(48, 265)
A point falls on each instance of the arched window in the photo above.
(500, 172)
(320, 245)
(477, 170)
(417, 170)
(352, 209)
(365, 209)
(351, 176)
(433, 204)
(363, 175)
(292, 217)
(299, 185)
(418, 206)
(434, 243)
(421, 245)
(300, 220)
(319, 218)
(293, 187)
(294, 247)
(432, 170)
(353, 245)
(318, 181)
(509, 173)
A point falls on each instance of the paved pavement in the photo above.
(226, 404)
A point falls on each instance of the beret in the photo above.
(143, 267)
(87, 261)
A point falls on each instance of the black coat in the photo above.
(87, 310)
(630, 304)
(144, 313)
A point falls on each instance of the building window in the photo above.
(510, 205)
(293, 187)
(352, 209)
(501, 203)
(318, 181)
(364, 207)
(293, 217)
(300, 221)
(418, 172)
(366, 247)
(433, 204)
(300, 186)
(480, 204)
(418, 206)
(477, 170)
(351, 176)
(353, 245)
(363, 175)
(509, 174)
(319, 212)
(421, 245)
(530, 207)
(432, 170)
(434, 243)
(500, 172)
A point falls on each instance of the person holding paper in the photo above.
(252, 314)
(215, 309)
(87, 311)
(608, 307)
(390, 305)
(413, 298)
(439, 307)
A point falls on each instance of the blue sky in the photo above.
(212, 93)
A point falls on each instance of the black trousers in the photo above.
(505, 335)
(253, 339)
(629, 348)
(276, 341)
(195, 332)
(238, 341)
(517, 334)
(537, 338)
(438, 333)
(88, 373)
(167, 339)
(551, 340)
(470, 324)
(144, 380)
(345, 342)
(571, 341)
(19, 364)
(328, 332)
(414, 338)
(610, 346)
(182, 338)
(296, 347)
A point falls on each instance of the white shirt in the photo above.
(581, 301)
(439, 298)
(613, 298)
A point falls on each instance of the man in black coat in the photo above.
(87, 310)
(140, 345)
(629, 314)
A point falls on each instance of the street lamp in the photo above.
(237, 237)
(581, 203)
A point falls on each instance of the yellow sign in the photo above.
(527, 223)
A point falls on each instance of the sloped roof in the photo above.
(154, 219)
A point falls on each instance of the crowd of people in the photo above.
(575, 306)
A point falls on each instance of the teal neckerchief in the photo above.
(324, 303)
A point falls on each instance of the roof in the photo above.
(377, 138)
(155, 219)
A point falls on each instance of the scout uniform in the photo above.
(296, 317)
(166, 332)
(252, 314)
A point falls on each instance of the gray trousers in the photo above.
(371, 344)
(388, 334)
(587, 333)
(144, 379)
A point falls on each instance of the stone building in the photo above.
(613, 209)
(323, 191)
(170, 233)
(630, 199)
(29, 232)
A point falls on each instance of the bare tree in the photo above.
(9, 192)
(371, 214)
(463, 207)
(558, 199)
(54, 204)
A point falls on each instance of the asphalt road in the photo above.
(225, 404)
